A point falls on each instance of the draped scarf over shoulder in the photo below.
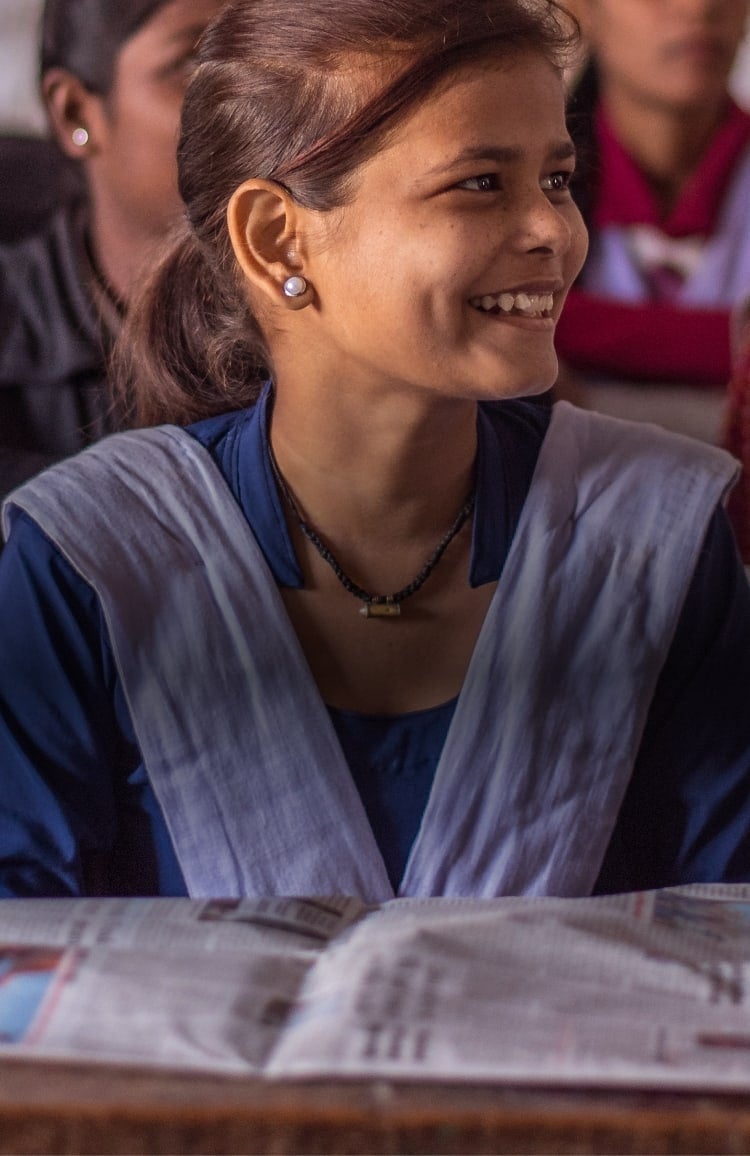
(237, 741)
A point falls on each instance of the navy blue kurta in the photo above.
(78, 815)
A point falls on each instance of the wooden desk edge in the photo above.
(52, 1108)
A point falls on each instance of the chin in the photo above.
(506, 390)
(500, 378)
(530, 384)
(534, 391)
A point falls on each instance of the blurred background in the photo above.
(20, 110)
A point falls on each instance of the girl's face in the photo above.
(449, 269)
(668, 53)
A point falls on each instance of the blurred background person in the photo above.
(21, 109)
(667, 151)
(113, 76)
(35, 175)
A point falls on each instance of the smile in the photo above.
(525, 304)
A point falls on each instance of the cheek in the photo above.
(154, 115)
(388, 271)
(406, 275)
(152, 173)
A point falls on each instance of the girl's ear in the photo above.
(73, 112)
(265, 224)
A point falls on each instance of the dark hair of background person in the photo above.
(582, 104)
(288, 92)
(85, 36)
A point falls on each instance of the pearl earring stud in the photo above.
(295, 286)
(80, 137)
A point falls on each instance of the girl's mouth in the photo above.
(520, 304)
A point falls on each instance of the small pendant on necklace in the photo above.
(380, 610)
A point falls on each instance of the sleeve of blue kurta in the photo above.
(686, 814)
(59, 731)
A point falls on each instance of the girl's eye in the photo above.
(486, 183)
(557, 182)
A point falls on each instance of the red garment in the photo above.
(654, 341)
(625, 197)
(649, 342)
(737, 441)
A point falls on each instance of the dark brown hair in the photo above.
(288, 90)
(86, 36)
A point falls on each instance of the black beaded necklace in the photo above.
(374, 605)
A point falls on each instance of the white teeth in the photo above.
(532, 304)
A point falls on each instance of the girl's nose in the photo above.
(543, 226)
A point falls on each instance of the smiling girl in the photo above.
(372, 623)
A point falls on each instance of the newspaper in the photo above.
(647, 989)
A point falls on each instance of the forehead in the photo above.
(177, 20)
(516, 104)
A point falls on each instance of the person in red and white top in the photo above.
(669, 207)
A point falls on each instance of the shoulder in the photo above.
(213, 433)
(586, 437)
(43, 252)
(123, 496)
(597, 437)
(137, 461)
(642, 491)
(90, 483)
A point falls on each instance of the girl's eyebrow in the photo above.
(560, 151)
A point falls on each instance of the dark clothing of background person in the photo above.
(113, 75)
(56, 326)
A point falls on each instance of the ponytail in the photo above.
(190, 346)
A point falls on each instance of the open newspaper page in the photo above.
(167, 982)
(643, 990)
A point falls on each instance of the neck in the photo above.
(119, 253)
(667, 143)
(397, 468)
